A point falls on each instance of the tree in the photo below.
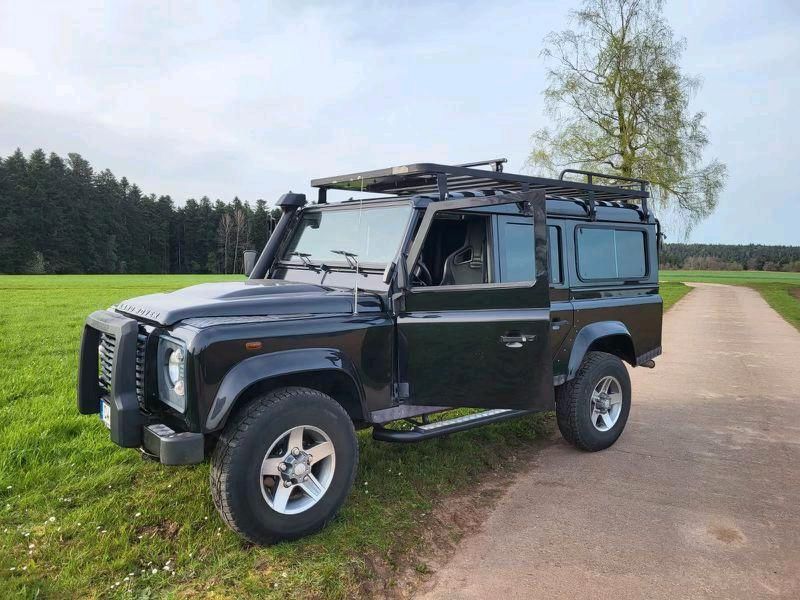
(224, 233)
(240, 225)
(621, 106)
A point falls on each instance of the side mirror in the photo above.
(249, 261)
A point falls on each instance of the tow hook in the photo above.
(650, 364)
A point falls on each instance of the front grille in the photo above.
(107, 352)
(108, 347)
(141, 345)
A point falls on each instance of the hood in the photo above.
(265, 297)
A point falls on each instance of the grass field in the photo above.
(780, 290)
(673, 291)
(81, 517)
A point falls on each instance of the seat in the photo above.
(466, 265)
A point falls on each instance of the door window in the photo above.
(517, 254)
(517, 259)
(455, 251)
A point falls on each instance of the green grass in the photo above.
(81, 517)
(672, 291)
(780, 290)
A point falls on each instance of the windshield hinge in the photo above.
(401, 391)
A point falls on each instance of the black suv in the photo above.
(460, 287)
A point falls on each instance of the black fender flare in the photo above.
(266, 366)
(590, 334)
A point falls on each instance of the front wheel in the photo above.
(592, 408)
(284, 465)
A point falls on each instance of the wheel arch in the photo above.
(328, 370)
(612, 337)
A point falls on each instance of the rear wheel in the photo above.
(592, 408)
(284, 465)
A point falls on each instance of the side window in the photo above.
(554, 247)
(605, 253)
(517, 246)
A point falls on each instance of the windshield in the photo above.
(373, 236)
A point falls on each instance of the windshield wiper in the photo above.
(350, 257)
(352, 260)
(304, 258)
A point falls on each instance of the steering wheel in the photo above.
(421, 275)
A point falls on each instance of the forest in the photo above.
(60, 216)
(730, 257)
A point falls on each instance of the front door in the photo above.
(474, 331)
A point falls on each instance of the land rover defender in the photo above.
(459, 286)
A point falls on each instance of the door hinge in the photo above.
(401, 391)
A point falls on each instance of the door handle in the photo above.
(557, 323)
(516, 341)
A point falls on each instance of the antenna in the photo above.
(360, 210)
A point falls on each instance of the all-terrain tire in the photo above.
(574, 402)
(237, 459)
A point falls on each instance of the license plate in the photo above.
(105, 413)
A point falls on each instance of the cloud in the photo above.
(252, 99)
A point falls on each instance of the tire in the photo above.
(575, 403)
(257, 506)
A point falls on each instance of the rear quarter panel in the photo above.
(637, 304)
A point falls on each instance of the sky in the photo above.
(253, 99)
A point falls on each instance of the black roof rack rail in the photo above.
(495, 163)
(439, 180)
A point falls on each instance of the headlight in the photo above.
(174, 367)
(172, 373)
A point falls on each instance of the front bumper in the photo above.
(130, 426)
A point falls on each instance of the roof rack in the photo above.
(438, 179)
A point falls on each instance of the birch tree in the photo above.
(620, 105)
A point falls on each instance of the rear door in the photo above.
(485, 344)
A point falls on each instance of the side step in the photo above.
(439, 428)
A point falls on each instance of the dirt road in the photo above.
(699, 498)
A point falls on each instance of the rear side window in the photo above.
(605, 253)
